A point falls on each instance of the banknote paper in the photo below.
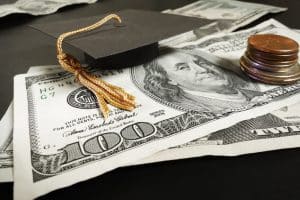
(218, 8)
(60, 137)
(6, 156)
(6, 136)
(37, 7)
(229, 15)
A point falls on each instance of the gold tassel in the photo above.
(105, 92)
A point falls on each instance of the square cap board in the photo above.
(139, 29)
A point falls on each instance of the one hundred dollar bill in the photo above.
(229, 15)
(6, 122)
(36, 7)
(223, 8)
(60, 137)
(277, 130)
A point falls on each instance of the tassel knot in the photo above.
(104, 92)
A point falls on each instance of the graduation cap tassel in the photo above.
(104, 92)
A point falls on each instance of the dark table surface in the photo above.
(270, 175)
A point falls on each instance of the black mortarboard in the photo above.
(132, 42)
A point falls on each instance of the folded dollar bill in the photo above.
(228, 16)
(37, 7)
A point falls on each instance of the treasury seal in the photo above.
(82, 98)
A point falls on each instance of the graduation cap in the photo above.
(128, 43)
(132, 42)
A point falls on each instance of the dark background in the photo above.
(270, 175)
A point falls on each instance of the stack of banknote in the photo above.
(193, 100)
(36, 7)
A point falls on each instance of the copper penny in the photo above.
(271, 81)
(272, 56)
(293, 71)
(276, 64)
(271, 62)
(265, 66)
(272, 78)
(271, 43)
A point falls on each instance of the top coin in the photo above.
(272, 43)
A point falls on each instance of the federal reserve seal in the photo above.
(82, 98)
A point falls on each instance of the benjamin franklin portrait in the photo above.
(185, 81)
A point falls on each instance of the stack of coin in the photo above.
(271, 59)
